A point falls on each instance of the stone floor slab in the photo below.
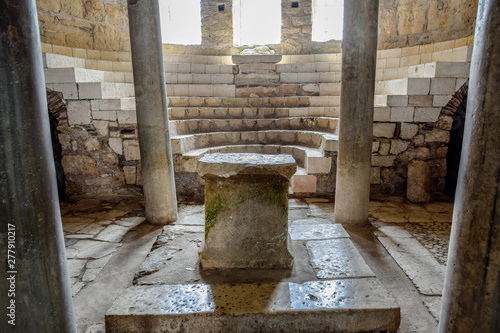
(418, 263)
(316, 306)
(112, 233)
(316, 231)
(337, 258)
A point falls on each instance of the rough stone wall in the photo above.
(217, 24)
(296, 26)
(86, 24)
(103, 25)
(415, 22)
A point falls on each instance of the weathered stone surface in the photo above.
(291, 306)
(398, 146)
(226, 165)
(246, 210)
(337, 258)
(408, 131)
(76, 164)
(419, 182)
(317, 231)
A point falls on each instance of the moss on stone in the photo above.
(213, 208)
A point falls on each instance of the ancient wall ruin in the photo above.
(103, 25)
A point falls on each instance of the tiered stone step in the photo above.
(274, 102)
(196, 126)
(179, 113)
(184, 143)
(310, 160)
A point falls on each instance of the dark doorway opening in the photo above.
(455, 148)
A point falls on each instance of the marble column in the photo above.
(471, 295)
(152, 115)
(359, 54)
(34, 284)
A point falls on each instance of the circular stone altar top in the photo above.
(227, 165)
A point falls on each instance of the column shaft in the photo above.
(471, 295)
(34, 284)
(152, 115)
(359, 54)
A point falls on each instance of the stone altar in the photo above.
(246, 210)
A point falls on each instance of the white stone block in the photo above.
(380, 100)
(303, 183)
(402, 114)
(443, 86)
(418, 86)
(308, 77)
(416, 71)
(441, 100)
(382, 113)
(452, 69)
(58, 61)
(383, 130)
(397, 100)
(104, 115)
(90, 90)
(69, 90)
(60, 75)
(318, 164)
(127, 117)
(425, 115)
(79, 112)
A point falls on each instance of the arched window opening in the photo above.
(327, 20)
(180, 21)
(256, 22)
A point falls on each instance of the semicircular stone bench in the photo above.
(246, 210)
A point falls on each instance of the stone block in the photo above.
(375, 175)
(384, 148)
(116, 145)
(420, 100)
(383, 161)
(398, 146)
(90, 90)
(256, 58)
(246, 210)
(402, 114)
(408, 131)
(79, 112)
(418, 86)
(315, 164)
(382, 113)
(69, 90)
(383, 130)
(91, 144)
(443, 86)
(397, 100)
(303, 183)
(441, 100)
(127, 117)
(79, 165)
(419, 182)
(130, 174)
(437, 135)
(426, 115)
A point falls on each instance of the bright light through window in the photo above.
(256, 22)
(328, 20)
(180, 21)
